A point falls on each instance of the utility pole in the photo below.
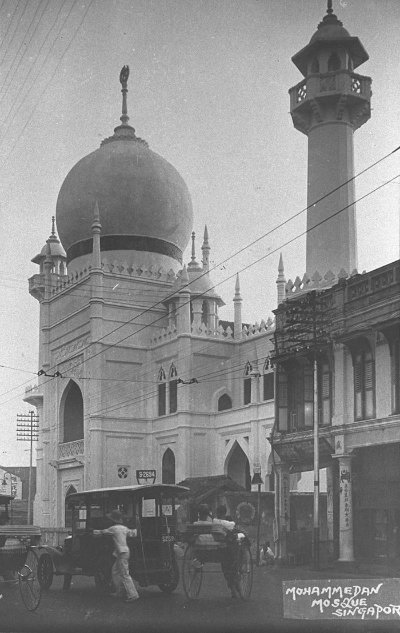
(306, 329)
(28, 431)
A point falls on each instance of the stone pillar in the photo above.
(329, 508)
(346, 550)
(255, 385)
(282, 509)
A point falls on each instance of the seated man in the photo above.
(204, 518)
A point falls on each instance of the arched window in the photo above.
(172, 314)
(364, 384)
(315, 65)
(333, 62)
(268, 381)
(224, 402)
(162, 392)
(205, 313)
(173, 389)
(168, 467)
(72, 413)
(247, 384)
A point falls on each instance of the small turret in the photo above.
(184, 319)
(281, 281)
(206, 250)
(52, 260)
(237, 301)
(96, 231)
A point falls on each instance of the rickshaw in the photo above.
(18, 555)
(211, 543)
(150, 508)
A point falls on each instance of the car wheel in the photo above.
(171, 585)
(45, 571)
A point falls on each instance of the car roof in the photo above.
(136, 488)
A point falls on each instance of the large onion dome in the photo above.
(144, 203)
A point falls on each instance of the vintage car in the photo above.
(151, 509)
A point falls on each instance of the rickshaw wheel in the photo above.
(192, 573)
(102, 578)
(29, 586)
(244, 572)
(169, 587)
(45, 571)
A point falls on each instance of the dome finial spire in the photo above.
(329, 9)
(53, 225)
(123, 77)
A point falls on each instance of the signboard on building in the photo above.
(340, 599)
(146, 476)
(10, 484)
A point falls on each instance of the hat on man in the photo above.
(116, 516)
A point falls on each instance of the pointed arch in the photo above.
(168, 467)
(71, 413)
(173, 389)
(224, 402)
(237, 466)
(247, 383)
(68, 510)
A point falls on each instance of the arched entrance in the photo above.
(238, 467)
(68, 511)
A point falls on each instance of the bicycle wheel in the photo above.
(244, 572)
(192, 573)
(29, 586)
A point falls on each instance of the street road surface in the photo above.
(82, 609)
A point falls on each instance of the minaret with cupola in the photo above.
(328, 105)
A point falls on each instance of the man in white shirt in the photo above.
(120, 569)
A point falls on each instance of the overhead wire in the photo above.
(9, 24)
(48, 82)
(269, 253)
(5, 86)
(241, 250)
(266, 255)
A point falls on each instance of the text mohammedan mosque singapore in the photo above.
(151, 377)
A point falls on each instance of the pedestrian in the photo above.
(267, 556)
(120, 569)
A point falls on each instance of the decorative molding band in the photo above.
(126, 243)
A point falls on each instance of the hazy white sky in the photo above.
(208, 90)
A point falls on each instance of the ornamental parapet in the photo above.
(67, 450)
(350, 91)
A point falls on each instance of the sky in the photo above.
(208, 90)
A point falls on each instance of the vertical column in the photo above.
(197, 305)
(329, 508)
(282, 509)
(346, 549)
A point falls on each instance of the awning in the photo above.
(299, 453)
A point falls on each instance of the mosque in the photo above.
(138, 372)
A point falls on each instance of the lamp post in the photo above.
(257, 480)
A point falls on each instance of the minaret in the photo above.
(328, 105)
